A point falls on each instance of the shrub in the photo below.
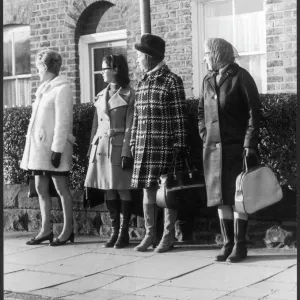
(277, 146)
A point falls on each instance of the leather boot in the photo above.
(150, 216)
(239, 251)
(113, 207)
(123, 238)
(168, 238)
(228, 238)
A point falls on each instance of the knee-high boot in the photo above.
(123, 238)
(167, 241)
(113, 207)
(228, 237)
(239, 251)
(150, 216)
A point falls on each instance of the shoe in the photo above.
(113, 207)
(123, 238)
(58, 242)
(228, 238)
(38, 241)
(150, 216)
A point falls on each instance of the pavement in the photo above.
(85, 271)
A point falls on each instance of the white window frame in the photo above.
(84, 58)
(197, 8)
(16, 77)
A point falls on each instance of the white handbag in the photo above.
(256, 188)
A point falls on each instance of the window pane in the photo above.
(9, 93)
(246, 6)
(7, 53)
(99, 83)
(218, 20)
(22, 52)
(24, 88)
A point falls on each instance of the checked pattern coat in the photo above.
(159, 125)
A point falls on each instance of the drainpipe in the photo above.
(145, 16)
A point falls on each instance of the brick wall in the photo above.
(281, 45)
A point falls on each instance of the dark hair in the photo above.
(51, 59)
(119, 63)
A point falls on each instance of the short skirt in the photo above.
(50, 173)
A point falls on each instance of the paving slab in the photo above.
(282, 296)
(95, 295)
(195, 250)
(10, 268)
(12, 249)
(134, 297)
(86, 264)
(131, 284)
(52, 292)
(161, 266)
(26, 281)
(223, 276)
(235, 298)
(289, 275)
(85, 284)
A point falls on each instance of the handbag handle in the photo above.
(186, 164)
(245, 165)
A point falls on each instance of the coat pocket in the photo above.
(94, 146)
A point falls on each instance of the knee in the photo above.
(42, 190)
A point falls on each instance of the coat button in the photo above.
(101, 119)
(218, 145)
(216, 97)
(100, 137)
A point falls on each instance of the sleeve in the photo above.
(134, 124)
(93, 131)
(63, 105)
(178, 110)
(129, 118)
(201, 116)
(252, 99)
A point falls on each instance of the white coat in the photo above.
(50, 127)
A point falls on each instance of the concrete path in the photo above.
(86, 271)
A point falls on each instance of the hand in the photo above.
(132, 149)
(249, 152)
(55, 159)
(127, 162)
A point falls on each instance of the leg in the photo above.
(61, 185)
(239, 251)
(42, 188)
(123, 239)
(150, 215)
(226, 222)
(113, 207)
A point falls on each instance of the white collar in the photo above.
(162, 63)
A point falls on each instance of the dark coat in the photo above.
(228, 115)
(159, 125)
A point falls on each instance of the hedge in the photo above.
(277, 145)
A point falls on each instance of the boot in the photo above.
(150, 216)
(123, 238)
(239, 251)
(167, 241)
(113, 207)
(228, 237)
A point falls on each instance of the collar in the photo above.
(162, 63)
(229, 69)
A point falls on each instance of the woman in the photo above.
(110, 160)
(49, 144)
(229, 114)
(158, 133)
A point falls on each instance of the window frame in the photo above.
(198, 38)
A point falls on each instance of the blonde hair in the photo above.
(51, 59)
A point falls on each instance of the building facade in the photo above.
(83, 31)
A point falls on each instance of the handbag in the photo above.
(92, 197)
(171, 185)
(256, 188)
(32, 190)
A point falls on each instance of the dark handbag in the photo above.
(171, 185)
(32, 190)
(92, 197)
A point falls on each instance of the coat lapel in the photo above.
(120, 98)
(212, 81)
(101, 103)
(230, 71)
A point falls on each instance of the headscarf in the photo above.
(222, 52)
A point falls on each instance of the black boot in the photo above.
(239, 251)
(123, 239)
(113, 207)
(228, 238)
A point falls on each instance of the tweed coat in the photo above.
(159, 125)
(110, 139)
(228, 115)
(50, 127)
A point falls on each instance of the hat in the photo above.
(152, 45)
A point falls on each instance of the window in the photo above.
(92, 49)
(240, 22)
(16, 66)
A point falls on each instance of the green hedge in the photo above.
(277, 146)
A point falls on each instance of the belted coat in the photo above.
(228, 116)
(110, 137)
(50, 127)
(159, 125)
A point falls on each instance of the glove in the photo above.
(127, 162)
(55, 159)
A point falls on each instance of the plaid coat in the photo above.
(159, 125)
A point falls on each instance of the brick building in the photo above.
(263, 31)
